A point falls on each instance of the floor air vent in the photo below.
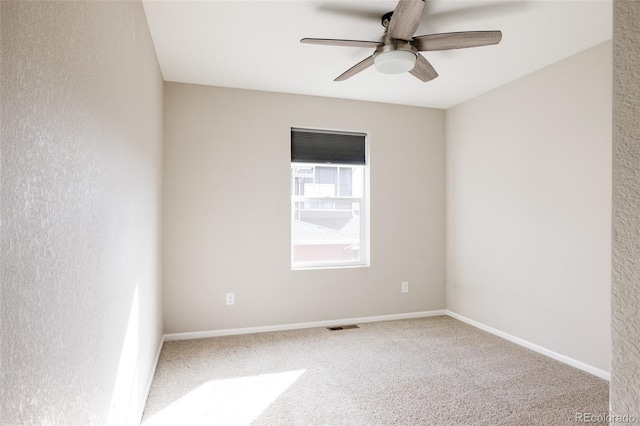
(342, 327)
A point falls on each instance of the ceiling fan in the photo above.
(398, 51)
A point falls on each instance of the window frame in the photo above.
(364, 211)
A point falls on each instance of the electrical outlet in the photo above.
(231, 299)
(405, 286)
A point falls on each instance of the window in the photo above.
(328, 199)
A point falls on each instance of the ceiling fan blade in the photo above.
(405, 19)
(448, 41)
(338, 42)
(360, 66)
(423, 69)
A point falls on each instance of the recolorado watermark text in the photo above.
(605, 418)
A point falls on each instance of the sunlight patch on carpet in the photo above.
(237, 401)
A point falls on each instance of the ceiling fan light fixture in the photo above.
(395, 61)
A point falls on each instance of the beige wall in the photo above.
(529, 207)
(625, 364)
(227, 210)
(81, 155)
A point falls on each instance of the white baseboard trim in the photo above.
(298, 326)
(536, 348)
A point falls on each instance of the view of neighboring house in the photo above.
(326, 212)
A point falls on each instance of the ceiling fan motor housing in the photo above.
(386, 18)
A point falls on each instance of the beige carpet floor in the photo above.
(428, 371)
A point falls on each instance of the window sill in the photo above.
(309, 268)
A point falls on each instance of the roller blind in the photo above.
(312, 146)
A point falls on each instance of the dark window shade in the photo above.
(327, 147)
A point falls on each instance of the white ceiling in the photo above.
(256, 44)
